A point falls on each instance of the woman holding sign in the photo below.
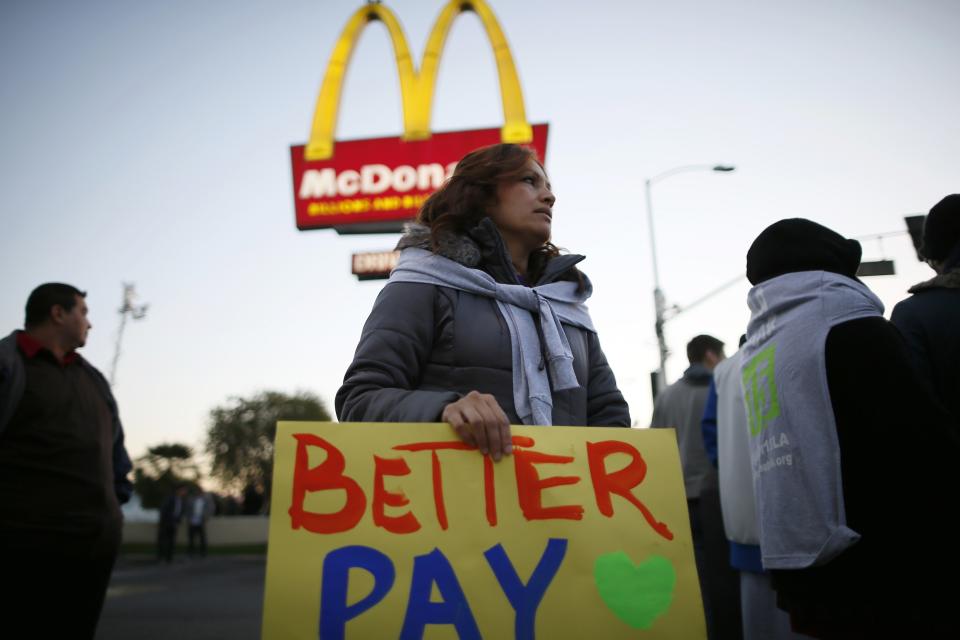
(483, 324)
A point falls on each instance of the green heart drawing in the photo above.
(635, 594)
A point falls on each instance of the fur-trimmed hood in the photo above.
(948, 280)
(458, 248)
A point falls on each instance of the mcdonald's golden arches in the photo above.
(374, 185)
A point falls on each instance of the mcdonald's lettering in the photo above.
(372, 179)
(332, 179)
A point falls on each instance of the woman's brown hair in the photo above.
(466, 198)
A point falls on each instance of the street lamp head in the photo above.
(724, 167)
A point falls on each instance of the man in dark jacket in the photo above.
(681, 405)
(63, 472)
(930, 319)
(172, 512)
(852, 459)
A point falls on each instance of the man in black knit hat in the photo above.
(852, 458)
(930, 318)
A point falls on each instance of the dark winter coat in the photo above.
(12, 381)
(930, 322)
(898, 455)
(425, 346)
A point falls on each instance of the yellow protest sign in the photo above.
(402, 531)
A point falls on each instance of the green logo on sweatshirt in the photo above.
(760, 391)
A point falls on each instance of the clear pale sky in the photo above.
(148, 142)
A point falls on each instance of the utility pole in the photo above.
(137, 312)
(659, 377)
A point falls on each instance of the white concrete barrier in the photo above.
(221, 531)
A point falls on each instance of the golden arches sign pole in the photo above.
(338, 184)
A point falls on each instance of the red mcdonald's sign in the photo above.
(375, 185)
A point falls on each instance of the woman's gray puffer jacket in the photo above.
(425, 346)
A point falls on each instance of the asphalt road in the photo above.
(191, 599)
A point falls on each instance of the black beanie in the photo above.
(941, 230)
(800, 245)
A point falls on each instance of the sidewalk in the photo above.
(191, 599)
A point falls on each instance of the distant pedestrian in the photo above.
(252, 499)
(63, 473)
(171, 514)
(853, 462)
(200, 509)
(930, 318)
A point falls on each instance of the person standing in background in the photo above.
(930, 318)
(681, 406)
(201, 508)
(171, 513)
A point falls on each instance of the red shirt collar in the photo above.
(30, 347)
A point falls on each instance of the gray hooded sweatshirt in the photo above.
(794, 451)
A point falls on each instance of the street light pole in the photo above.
(659, 301)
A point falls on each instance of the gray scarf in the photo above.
(523, 308)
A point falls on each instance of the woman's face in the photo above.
(524, 209)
